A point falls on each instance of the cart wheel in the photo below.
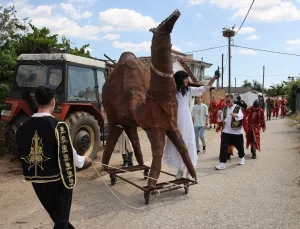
(146, 174)
(147, 197)
(113, 179)
(186, 189)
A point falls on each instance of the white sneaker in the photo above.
(179, 175)
(221, 166)
(188, 176)
(242, 161)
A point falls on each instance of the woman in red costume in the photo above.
(284, 104)
(213, 113)
(256, 121)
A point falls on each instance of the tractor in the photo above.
(78, 83)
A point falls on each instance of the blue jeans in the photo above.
(199, 130)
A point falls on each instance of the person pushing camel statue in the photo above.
(133, 96)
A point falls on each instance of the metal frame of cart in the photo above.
(161, 187)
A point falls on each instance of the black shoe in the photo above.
(254, 155)
(125, 160)
(198, 151)
(130, 159)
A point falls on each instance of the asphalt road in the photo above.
(264, 193)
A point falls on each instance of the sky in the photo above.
(112, 27)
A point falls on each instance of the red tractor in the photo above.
(78, 82)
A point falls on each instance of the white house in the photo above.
(246, 93)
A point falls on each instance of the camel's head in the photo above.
(167, 25)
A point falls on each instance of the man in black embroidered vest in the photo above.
(232, 134)
(48, 158)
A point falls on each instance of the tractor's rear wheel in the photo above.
(10, 132)
(85, 133)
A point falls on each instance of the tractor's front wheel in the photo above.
(85, 133)
(10, 132)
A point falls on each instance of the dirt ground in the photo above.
(264, 193)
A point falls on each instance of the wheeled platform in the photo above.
(160, 187)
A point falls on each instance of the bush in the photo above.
(4, 92)
(291, 90)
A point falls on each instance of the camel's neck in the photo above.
(162, 80)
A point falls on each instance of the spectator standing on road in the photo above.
(270, 106)
(200, 120)
(232, 134)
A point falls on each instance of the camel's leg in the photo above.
(178, 142)
(133, 136)
(114, 133)
(157, 139)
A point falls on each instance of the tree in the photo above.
(256, 85)
(246, 84)
(20, 36)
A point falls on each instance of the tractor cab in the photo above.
(78, 83)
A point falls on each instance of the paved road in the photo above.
(264, 193)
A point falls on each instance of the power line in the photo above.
(263, 50)
(286, 74)
(245, 18)
(201, 50)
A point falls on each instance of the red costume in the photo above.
(276, 108)
(213, 112)
(256, 121)
(284, 103)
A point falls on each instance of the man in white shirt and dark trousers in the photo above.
(232, 133)
(200, 118)
(48, 158)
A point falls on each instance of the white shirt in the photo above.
(227, 127)
(199, 113)
(79, 160)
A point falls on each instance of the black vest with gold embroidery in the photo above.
(46, 152)
(234, 124)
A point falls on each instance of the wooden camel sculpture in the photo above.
(133, 96)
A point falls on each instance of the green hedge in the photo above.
(292, 89)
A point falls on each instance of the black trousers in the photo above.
(231, 139)
(57, 200)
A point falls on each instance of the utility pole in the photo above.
(222, 69)
(229, 64)
(235, 84)
(229, 33)
(263, 86)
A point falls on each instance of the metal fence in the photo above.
(298, 102)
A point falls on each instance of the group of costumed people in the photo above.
(274, 105)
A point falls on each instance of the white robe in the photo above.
(186, 128)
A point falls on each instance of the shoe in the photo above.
(242, 161)
(254, 155)
(188, 176)
(179, 175)
(221, 166)
(125, 160)
(204, 149)
(198, 151)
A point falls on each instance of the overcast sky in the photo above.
(112, 27)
